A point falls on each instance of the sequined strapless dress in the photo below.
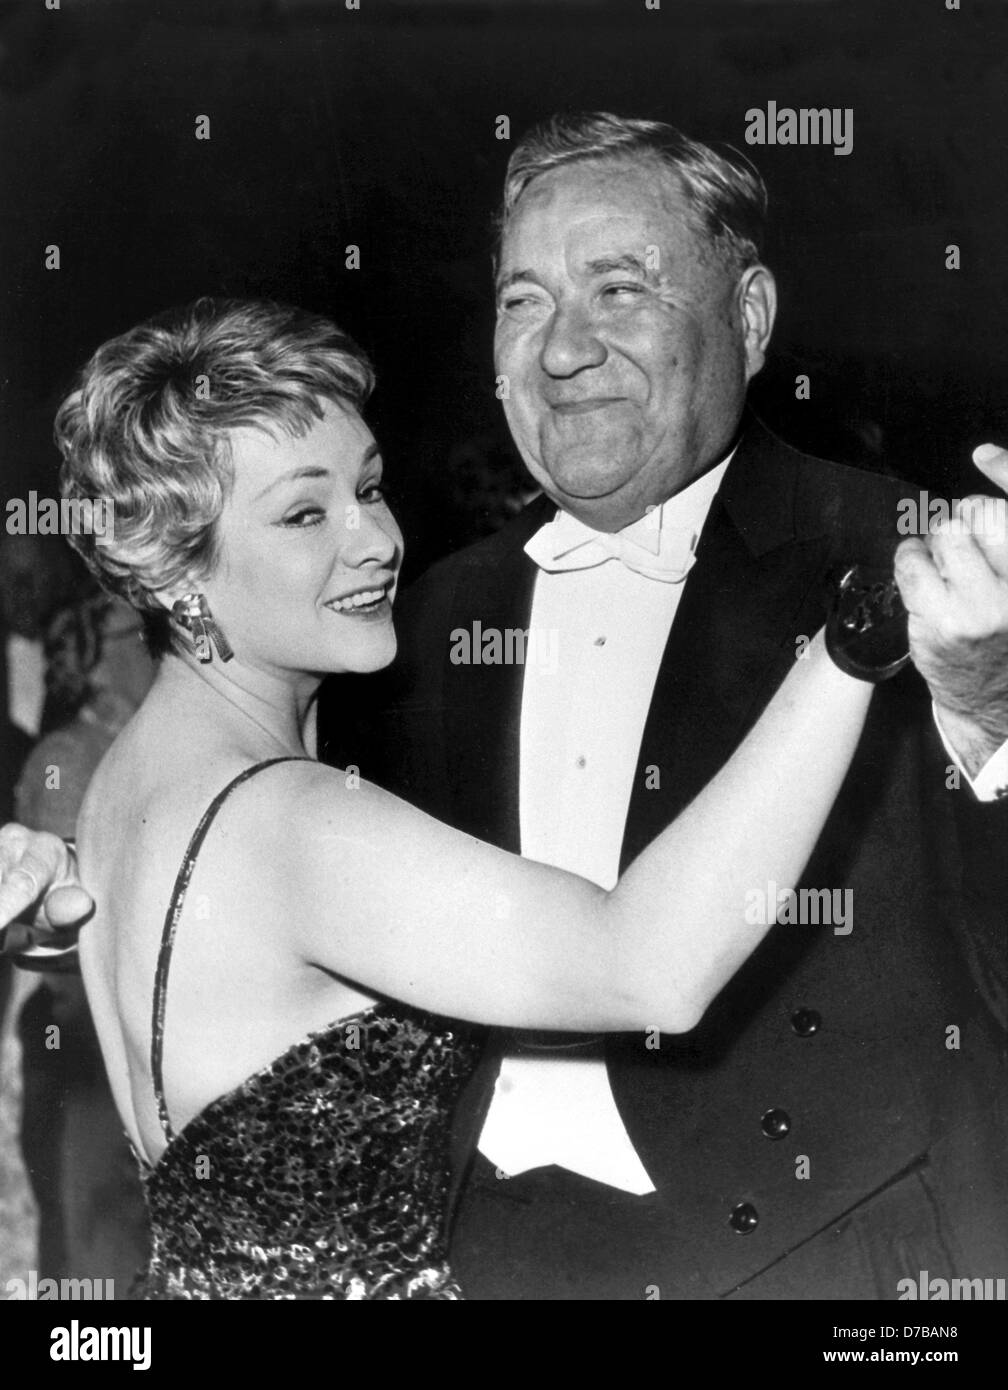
(323, 1175)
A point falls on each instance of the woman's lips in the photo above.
(373, 612)
(377, 608)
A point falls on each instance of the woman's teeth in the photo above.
(364, 599)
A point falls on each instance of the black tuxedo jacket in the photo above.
(882, 1048)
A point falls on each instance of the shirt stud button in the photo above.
(776, 1123)
(806, 1022)
(600, 641)
(744, 1218)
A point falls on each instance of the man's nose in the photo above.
(571, 343)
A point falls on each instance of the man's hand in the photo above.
(954, 583)
(42, 902)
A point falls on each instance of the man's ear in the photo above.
(757, 301)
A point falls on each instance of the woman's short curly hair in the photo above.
(147, 429)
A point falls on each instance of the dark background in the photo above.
(376, 127)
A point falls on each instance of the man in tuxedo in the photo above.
(837, 1121)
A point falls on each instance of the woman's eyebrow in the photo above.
(313, 470)
(316, 470)
(378, 469)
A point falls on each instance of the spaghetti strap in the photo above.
(172, 917)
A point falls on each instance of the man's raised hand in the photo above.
(954, 584)
(41, 898)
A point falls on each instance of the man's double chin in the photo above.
(611, 512)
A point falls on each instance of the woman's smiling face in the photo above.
(309, 551)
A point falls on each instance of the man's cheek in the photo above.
(521, 412)
(505, 348)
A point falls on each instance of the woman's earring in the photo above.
(192, 613)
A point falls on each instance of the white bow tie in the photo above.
(568, 544)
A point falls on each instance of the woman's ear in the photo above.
(190, 611)
(167, 598)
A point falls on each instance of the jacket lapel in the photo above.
(482, 700)
(752, 591)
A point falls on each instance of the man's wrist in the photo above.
(973, 744)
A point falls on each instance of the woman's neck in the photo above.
(276, 714)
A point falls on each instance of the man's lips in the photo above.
(586, 405)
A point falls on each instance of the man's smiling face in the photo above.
(626, 342)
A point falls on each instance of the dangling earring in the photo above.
(192, 613)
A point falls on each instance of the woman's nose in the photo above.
(371, 539)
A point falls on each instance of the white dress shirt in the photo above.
(991, 782)
(581, 728)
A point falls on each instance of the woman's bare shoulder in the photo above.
(150, 791)
(294, 799)
(307, 799)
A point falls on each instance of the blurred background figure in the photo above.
(36, 577)
(91, 1221)
(15, 1206)
(486, 485)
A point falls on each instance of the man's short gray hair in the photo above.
(725, 191)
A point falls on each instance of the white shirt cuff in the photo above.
(991, 782)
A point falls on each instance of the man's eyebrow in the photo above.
(314, 470)
(605, 264)
(504, 282)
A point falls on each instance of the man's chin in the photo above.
(585, 477)
(602, 497)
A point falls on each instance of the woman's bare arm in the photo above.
(401, 904)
